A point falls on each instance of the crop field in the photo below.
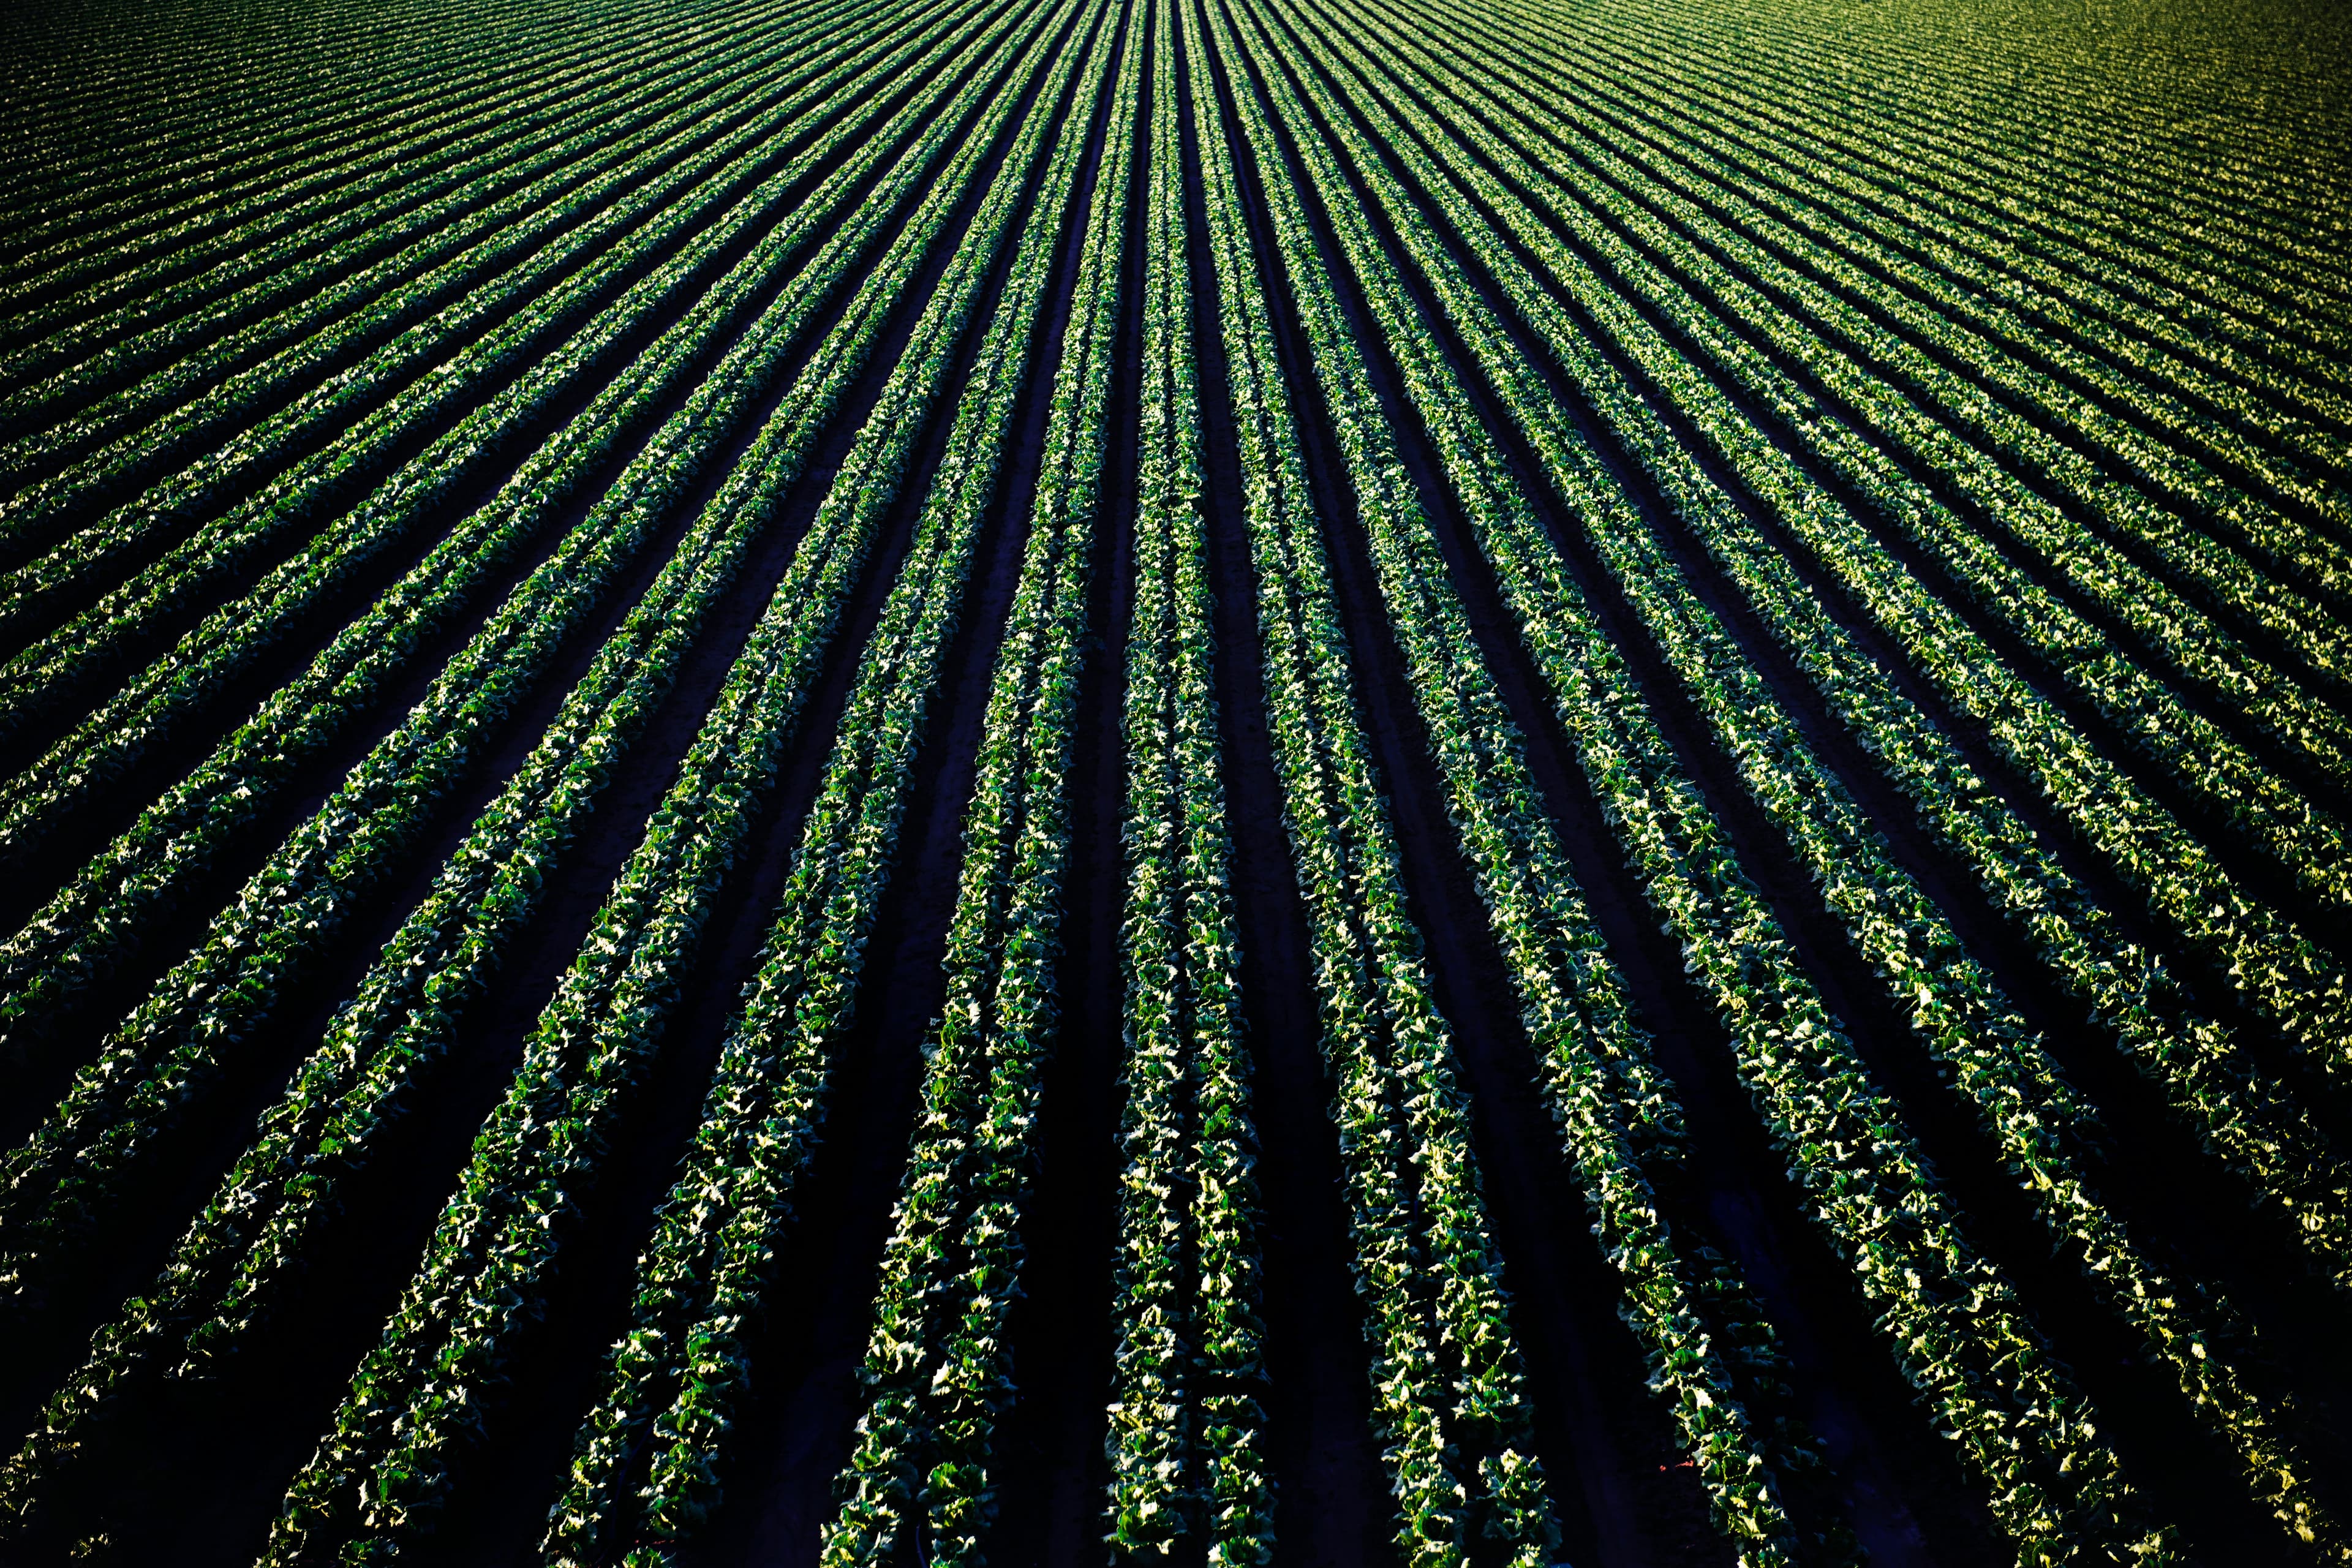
(1176, 782)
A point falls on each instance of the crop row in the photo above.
(1794, 267)
(2238, 1105)
(1618, 1113)
(2054, 1487)
(146, 707)
(1997, 207)
(1676, 487)
(2265, 808)
(936, 1370)
(645, 1464)
(1186, 1433)
(291, 247)
(1449, 1402)
(2137, 360)
(2274, 391)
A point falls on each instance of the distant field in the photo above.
(1192, 782)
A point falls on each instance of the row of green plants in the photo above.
(824, 568)
(2271, 959)
(2239, 189)
(1186, 1437)
(2065, 229)
(224, 115)
(60, 54)
(646, 1460)
(1952, 1319)
(1732, 941)
(2170, 627)
(1958, 1011)
(2253, 198)
(938, 1371)
(1449, 1404)
(210, 137)
(2145, 488)
(2243, 1110)
(2266, 809)
(64, 80)
(1474, 240)
(417, 1399)
(62, 83)
(683, 252)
